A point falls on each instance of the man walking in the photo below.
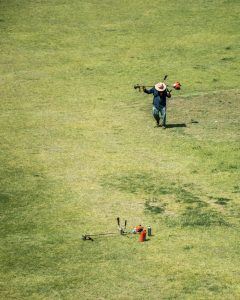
(160, 95)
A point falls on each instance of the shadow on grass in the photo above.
(4, 198)
(198, 218)
(181, 125)
(154, 209)
(222, 201)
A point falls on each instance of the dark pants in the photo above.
(159, 114)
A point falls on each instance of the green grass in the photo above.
(79, 148)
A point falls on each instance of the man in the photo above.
(160, 95)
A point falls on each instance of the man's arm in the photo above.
(148, 91)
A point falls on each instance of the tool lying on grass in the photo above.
(121, 231)
(177, 85)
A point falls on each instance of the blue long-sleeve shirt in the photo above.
(159, 98)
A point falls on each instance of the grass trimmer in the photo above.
(140, 88)
(122, 230)
(176, 85)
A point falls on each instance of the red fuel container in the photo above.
(143, 236)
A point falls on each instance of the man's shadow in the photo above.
(176, 125)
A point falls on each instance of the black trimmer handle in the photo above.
(165, 77)
(118, 221)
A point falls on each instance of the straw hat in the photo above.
(160, 86)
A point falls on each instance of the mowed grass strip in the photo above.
(79, 148)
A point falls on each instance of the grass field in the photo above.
(79, 149)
